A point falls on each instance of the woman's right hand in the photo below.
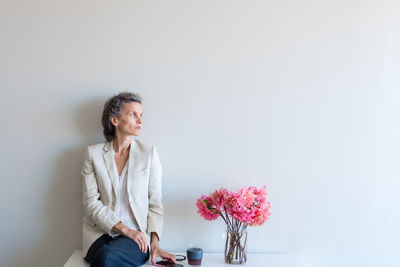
(140, 238)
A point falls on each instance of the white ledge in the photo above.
(214, 260)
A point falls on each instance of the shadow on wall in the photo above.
(62, 221)
(61, 229)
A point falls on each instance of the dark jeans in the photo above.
(120, 251)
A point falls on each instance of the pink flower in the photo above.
(262, 214)
(206, 208)
(248, 205)
(220, 197)
(246, 196)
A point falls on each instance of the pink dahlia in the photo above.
(206, 208)
(247, 206)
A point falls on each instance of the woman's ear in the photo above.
(114, 120)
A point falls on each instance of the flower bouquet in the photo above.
(247, 206)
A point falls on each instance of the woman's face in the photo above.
(130, 120)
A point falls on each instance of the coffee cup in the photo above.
(194, 255)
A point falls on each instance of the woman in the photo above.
(122, 191)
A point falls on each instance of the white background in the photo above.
(302, 96)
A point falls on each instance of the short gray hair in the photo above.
(113, 107)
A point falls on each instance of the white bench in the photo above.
(76, 260)
(213, 260)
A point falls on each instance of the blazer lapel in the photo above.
(132, 159)
(131, 179)
(109, 161)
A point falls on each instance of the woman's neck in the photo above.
(121, 143)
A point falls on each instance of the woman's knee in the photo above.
(105, 257)
(120, 253)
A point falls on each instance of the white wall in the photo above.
(301, 96)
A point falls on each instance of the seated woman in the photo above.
(122, 191)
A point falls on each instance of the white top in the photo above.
(123, 210)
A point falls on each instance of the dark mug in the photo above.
(194, 255)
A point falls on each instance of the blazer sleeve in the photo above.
(93, 207)
(156, 209)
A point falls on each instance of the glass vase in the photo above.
(236, 247)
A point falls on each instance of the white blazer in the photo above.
(99, 196)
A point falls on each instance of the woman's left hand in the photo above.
(158, 252)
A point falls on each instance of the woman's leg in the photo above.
(121, 251)
(96, 246)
